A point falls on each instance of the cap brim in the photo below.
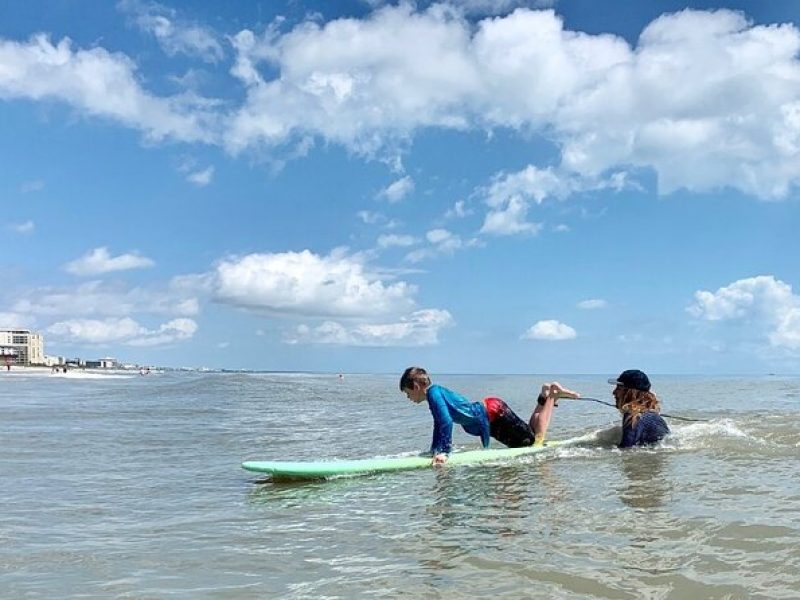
(613, 381)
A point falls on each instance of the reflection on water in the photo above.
(646, 483)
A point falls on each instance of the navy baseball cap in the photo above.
(633, 379)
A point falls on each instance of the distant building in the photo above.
(101, 363)
(21, 347)
(53, 361)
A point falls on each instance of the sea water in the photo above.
(129, 486)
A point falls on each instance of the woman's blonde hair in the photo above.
(414, 374)
(632, 403)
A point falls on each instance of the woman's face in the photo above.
(618, 393)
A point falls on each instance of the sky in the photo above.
(477, 187)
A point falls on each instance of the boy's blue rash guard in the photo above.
(649, 429)
(448, 407)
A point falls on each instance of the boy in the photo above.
(491, 418)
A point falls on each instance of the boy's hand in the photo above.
(439, 459)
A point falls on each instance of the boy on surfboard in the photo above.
(490, 418)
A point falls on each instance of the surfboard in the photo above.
(283, 470)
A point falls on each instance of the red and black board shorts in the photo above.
(505, 426)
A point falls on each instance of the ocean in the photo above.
(129, 486)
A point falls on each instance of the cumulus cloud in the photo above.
(102, 84)
(419, 328)
(23, 228)
(510, 195)
(392, 240)
(441, 241)
(15, 320)
(201, 178)
(458, 211)
(479, 7)
(787, 330)
(766, 303)
(592, 304)
(306, 284)
(95, 298)
(397, 190)
(550, 330)
(99, 261)
(121, 331)
(175, 35)
(188, 166)
(705, 99)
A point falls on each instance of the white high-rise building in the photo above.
(21, 347)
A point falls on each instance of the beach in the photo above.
(123, 486)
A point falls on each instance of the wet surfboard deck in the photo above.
(298, 470)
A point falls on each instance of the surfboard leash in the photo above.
(662, 414)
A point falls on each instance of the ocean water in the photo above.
(129, 486)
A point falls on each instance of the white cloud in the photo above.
(420, 328)
(391, 240)
(510, 195)
(121, 331)
(305, 284)
(510, 219)
(366, 83)
(397, 190)
(32, 186)
(370, 217)
(201, 178)
(174, 35)
(24, 228)
(15, 320)
(767, 304)
(95, 298)
(592, 304)
(705, 99)
(100, 83)
(445, 241)
(441, 241)
(550, 330)
(458, 211)
(479, 7)
(99, 261)
(763, 295)
(787, 330)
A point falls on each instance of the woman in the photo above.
(641, 422)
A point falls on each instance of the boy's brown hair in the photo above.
(414, 374)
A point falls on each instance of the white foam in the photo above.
(84, 375)
(723, 427)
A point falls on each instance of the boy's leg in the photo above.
(540, 419)
(507, 428)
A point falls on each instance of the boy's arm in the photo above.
(442, 423)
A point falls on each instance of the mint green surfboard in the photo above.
(281, 470)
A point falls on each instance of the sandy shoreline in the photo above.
(72, 372)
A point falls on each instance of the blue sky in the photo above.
(490, 187)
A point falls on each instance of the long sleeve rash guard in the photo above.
(448, 407)
(649, 429)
